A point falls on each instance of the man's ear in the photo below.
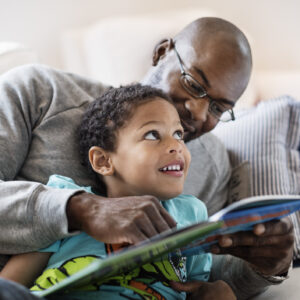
(100, 161)
(160, 50)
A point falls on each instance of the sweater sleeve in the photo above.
(33, 215)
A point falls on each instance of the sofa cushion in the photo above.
(268, 137)
(13, 54)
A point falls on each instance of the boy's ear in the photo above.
(100, 161)
(160, 50)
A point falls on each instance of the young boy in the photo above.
(132, 139)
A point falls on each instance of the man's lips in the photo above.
(174, 168)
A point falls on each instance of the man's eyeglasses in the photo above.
(195, 89)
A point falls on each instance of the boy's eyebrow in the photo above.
(156, 122)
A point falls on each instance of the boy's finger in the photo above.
(188, 287)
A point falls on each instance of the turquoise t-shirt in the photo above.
(150, 281)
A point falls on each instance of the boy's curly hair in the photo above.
(108, 113)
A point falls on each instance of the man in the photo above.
(204, 69)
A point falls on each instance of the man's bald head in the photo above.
(216, 54)
(217, 40)
(205, 28)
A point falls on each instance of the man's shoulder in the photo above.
(209, 144)
(32, 75)
(44, 92)
(29, 71)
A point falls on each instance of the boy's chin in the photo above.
(169, 195)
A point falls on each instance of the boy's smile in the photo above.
(174, 169)
(151, 157)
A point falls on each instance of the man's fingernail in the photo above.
(260, 229)
(226, 242)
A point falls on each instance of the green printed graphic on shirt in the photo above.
(139, 280)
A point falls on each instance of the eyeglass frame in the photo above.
(185, 75)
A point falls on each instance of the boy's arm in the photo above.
(244, 281)
(25, 268)
(218, 290)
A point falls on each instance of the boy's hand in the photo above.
(118, 220)
(218, 290)
(268, 248)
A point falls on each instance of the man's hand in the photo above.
(118, 220)
(218, 290)
(268, 248)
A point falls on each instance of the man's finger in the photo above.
(277, 227)
(158, 218)
(135, 235)
(158, 215)
(147, 227)
(247, 238)
(167, 217)
(254, 252)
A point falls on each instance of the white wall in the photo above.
(273, 24)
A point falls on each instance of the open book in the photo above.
(191, 240)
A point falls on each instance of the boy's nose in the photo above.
(175, 147)
(198, 109)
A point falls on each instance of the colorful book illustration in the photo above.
(191, 240)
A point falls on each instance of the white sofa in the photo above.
(13, 54)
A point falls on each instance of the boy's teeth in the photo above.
(172, 168)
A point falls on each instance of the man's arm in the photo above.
(268, 248)
(266, 254)
(40, 110)
(32, 215)
(118, 220)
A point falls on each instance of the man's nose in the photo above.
(198, 109)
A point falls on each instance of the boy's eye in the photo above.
(178, 135)
(152, 135)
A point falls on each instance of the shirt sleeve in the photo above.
(199, 266)
(52, 248)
